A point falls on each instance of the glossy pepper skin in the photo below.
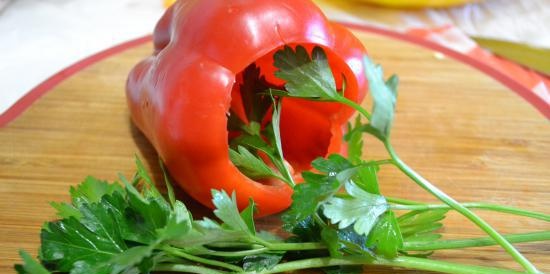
(180, 96)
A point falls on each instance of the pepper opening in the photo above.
(307, 128)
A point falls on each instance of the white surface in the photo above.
(526, 21)
(40, 37)
(521, 21)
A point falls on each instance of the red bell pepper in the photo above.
(180, 96)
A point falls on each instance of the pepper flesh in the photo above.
(180, 96)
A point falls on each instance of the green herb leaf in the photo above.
(385, 238)
(354, 243)
(68, 241)
(332, 165)
(419, 217)
(306, 230)
(420, 225)
(227, 211)
(65, 210)
(248, 216)
(255, 103)
(143, 174)
(367, 179)
(251, 165)
(362, 210)
(30, 265)
(145, 215)
(306, 198)
(329, 236)
(280, 161)
(347, 241)
(108, 218)
(305, 76)
(132, 260)
(354, 138)
(168, 184)
(260, 262)
(91, 190)
(206, 232)
(384, 95)
(424, 237)
(177, 225)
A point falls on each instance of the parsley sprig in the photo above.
(384, 93)
(254, 137)
(108, 228)
(338, 221)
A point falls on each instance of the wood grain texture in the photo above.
(467, 133)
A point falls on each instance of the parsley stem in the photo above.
(296, 246)
(187, 269)
(288, 246)
(353, 105)
(426, 185)
(402, 201)
(475, 242)
(241, 253)
(180, 253)
(382, 162)
(402, 261)
(243, 245)
(483, 206)
(441, 266)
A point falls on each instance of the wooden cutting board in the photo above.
(465, 131)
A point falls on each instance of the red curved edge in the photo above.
(26, 101)
(34, 94)
(505, 79)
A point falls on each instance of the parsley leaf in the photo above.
(178, 223)
(255, 103)
(116, 229)
(361, 210)
(306, 198)
(65, 210)
(253, 135)
(264, 261)
(346, 241)
(248, 216)
(367, 179)
(251, 165)
(88, 191)
(168, 184)
(146, 215)
(306, 76)
(329, 236)
(276, 141)
(384, 95)
(68, 241)
(30, 265)
(354, 139)
(227, 211)
(91, 190)
(385, 238)
(332, 165)
(420, 225)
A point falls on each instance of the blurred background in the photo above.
(41, 37)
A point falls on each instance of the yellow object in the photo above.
(168, 3)
(535, 58)
(417, 3)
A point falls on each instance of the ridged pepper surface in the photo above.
(180, 96)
